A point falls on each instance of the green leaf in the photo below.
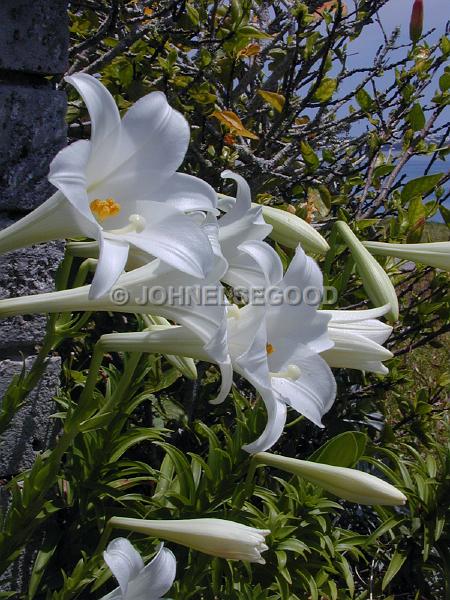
(382, 170)
(444, 82)
(96, 422)
(325, 90)
(49, 545)
(416, 220)
(394, 567)
(444, 45)
(274, 99)
(420, 186)
(133, 437)
(344, 450)
(251, 31)
(182, 468)
(193, 14)
(416, 118)
(363, 99)
(309, 156)
(445, 214)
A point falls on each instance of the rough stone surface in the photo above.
(34, 35)
(32, 131)
(31, 430)
(27, 271)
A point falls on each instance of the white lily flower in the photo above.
(216, 537)
(432, 254)
(287, 229)
(358, 338)
(133, 294)
(136, 580)
(349, 484)
(296, 334)
(241, 231)
(276, 348)
(375, 280)
(124, 177)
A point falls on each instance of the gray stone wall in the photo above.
(34, 40)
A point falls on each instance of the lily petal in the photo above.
(187, 193)
(53, 220)
(292, 323)
(152, 145)
(243, 198)
(156, 578)
(174, 238)
(252, 365)
(313, 393)
(124, 561)
(372, 329)
(276, 420)
(105, 121)
(354, 351)
(344, 316)
(68, 174)
(255, 265)
(113, 258)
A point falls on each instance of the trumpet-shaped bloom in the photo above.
(276, 348)
(136, 580)
(241, 231)
(122, 188)
(376, 281)
(217, 537)
(287, 229)
(432, 254)
(349, 484)
(152, 289)
(358, 338)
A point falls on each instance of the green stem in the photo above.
(27, 510)
(86, 267)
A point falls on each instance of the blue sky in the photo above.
(397, 13)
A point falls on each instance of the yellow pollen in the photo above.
(103, 209)
(269, 348)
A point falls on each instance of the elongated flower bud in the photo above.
(349, 484)
(375, 280)
(217, 537)
(290, 230)
(433, 254)
(416, 22)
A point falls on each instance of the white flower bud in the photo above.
(433, 254)
(375, 280)
(217, 537)
(349, 484)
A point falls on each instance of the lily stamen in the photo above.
(233, 311)
(292, 372)
(137, 225)
(104, 209)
